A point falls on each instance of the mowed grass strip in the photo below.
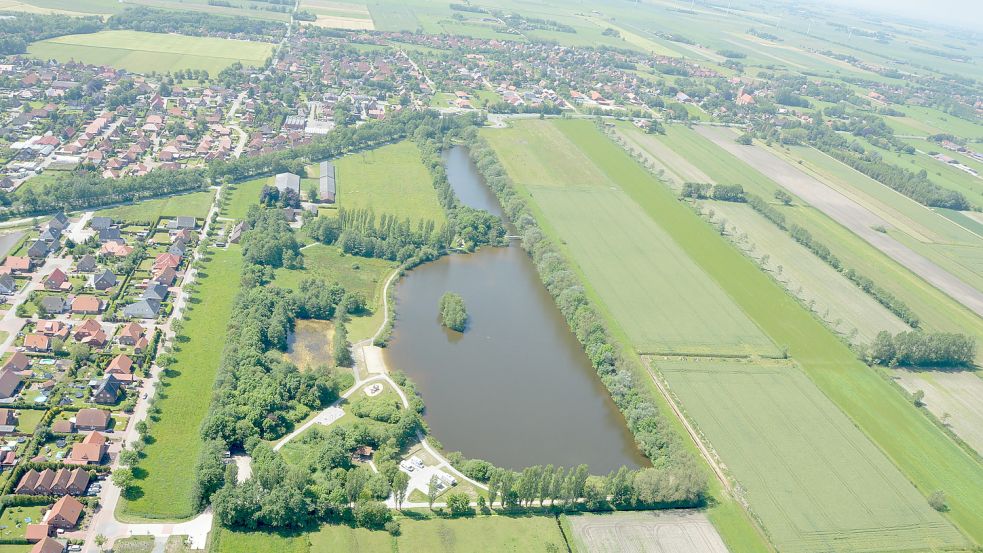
(658, 295)
(817, 482)
(194, 205)
(144, 52)
(926, 456)
(388, 180)
(165, 477)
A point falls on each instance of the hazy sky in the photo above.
(964, 13)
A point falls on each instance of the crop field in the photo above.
(645, 532)
(67, 7)
(163, 487)
(194, 205)
(144, 52)
(388, 180)
(834, 297)
(342, 15)
(659, 296)
(816, 482)
(676, 168)
(953, 393)
(393, 16)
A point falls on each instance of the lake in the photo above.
(515, 388)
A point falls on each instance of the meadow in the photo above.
(244, 195)
(163, 485)
(662, 299)
(813, 478)
(388, 180)
(69, 7)
(833, 296)
(194, 205)
(147, 52)
(343, 15)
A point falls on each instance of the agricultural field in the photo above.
(816, 482)
(845, 307)
(952, 396)
(146, 52)
(67, 7)
(195, 204)
(659, 296)
(339, 15)
(388, 180)
(163, 489)
(644, 532)
(242, 197)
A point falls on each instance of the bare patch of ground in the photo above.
(646, 532)
(956, 393)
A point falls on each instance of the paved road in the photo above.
(848, 213)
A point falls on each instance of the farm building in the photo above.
(287, 181)
(326, 184)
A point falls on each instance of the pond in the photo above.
(515, 388)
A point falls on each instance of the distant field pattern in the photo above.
(646, 532)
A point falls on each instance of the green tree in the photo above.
(432, 491)
(459, 504)
(453, 314)
(400, 481)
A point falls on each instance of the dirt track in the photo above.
(846, 212)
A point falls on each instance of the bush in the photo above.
(372, 515)
(937, 501)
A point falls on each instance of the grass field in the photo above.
(833, 296)
(68, 7)
(194, 205)
(817, 483)
(644, 532)
(244, 195)
(341, 15)
(163, 477)
(233, 541)
(145, 52)
(388, 180)
(953, 397)
(662, 299)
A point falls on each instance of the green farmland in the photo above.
(145, 52)
(662, 299)
(388, 180)
(817, 482)
(163, 485)
(194, 205)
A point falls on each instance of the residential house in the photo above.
(90, 451)
(63, 426)
(57, 281)
(48, 545)
(111, 234)
(18, 264)
(37, 343)
(38, 250)
(165, 260)
(65, 514)
(166, 277)
(142, 309)
(59, 221)
(121, 364)
(17, 362)
(130, 334)
(54, 305)
(182, 223)
(115, 249)
(52, 329)
(92, 419)
(10, 381)
(87, 264)
(91, 333)
(236, 235)
(104, 280)
(100, 223)
(8, 421)
(107, 392)
(8, 285)
(86, 305)
(155, 291)
(37, 532)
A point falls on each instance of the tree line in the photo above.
(922, 349)
(893, 303)
(22, 29)
(652, 431)
(152, 20)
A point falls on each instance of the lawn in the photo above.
(14, 521)
(663, 300)
(242, 196)
(194, 205)
(235, 541)
(813, 478)
(145, 52)
(164, 483)
(833, 296)
(388, 180)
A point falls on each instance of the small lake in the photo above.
(515, 388)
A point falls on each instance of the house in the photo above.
(142, 309)
(8, 285)
(104, 280)
(18, 264)
(57, 281)
(78, 481)
(287, 181)
(48, 545)
(166, 277)
(155, 291)
(182, 223)
(92, 419)
(28, 483)
(86, 265)
(52, 329)
(115, 249)
(63, 427)
(8, 421)
(86, 305)
(59, 221)
(45, 480)
(100, 223)
(40, 249)
(130, 334)
(107, 392)
(165, 260)
(86, 329)
(121, 364)
(37, 343)
(36, 532)
(236, 235)
(17, 362)
(65, 513)
(111, 234)
(9, 380)
(89, 451)
(54, 305)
